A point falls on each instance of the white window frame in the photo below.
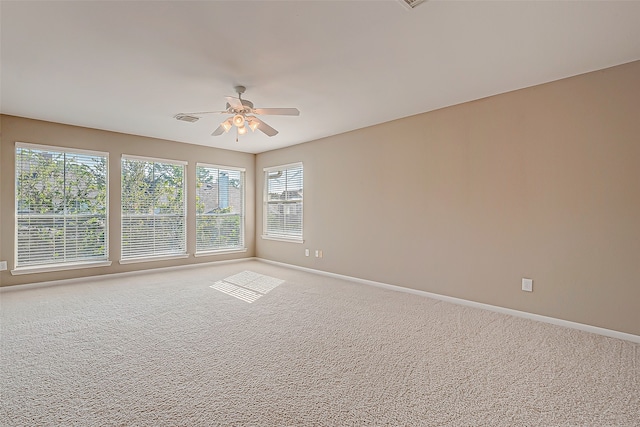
(159, 257)
(69, 265)
(265, 208)
(241, 247)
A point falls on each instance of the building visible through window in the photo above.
(283, 198)
(219, 208)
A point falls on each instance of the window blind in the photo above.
(153, 208)
(219, 208)
(61, 206)
(283, 201)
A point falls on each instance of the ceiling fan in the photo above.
(243, 116)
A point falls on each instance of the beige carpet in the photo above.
(179, 349)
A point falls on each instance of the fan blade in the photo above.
(234, 102)
(277, 111)
(219, 131)
(265, 128)
(200, 113)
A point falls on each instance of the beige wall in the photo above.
(46, 133)
(465, 201)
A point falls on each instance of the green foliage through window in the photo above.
(61, 206)
(153, 208)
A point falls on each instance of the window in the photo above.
(219, 208)
(61, 206)
(153, 208)
(283, 202)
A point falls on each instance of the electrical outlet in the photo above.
(320, 253)
(527, 285)
(306, 252)
(3, 265)
(317, 253)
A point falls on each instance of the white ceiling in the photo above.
(131, 66)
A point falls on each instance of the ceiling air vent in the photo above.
(187, 118)
(411, 4)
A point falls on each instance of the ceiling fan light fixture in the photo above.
(226, 125)
(238, 120)
(253, 124)
(240, 114)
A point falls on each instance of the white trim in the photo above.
(282, 167)
(229, 168)
(58, 267)
(219, 252)
(56, 148)
(107, 226)
(554, 321)
(523, 314)
(151, 259)
(154, 159)
(282, 239)
(108, 276)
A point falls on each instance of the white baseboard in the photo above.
(122, 274)
(460, 301)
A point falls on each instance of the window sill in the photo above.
(283, 239)
(58, 267)
(151, 259)
(219, 252)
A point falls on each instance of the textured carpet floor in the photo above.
(168, 349)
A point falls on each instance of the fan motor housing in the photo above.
(245, 103)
